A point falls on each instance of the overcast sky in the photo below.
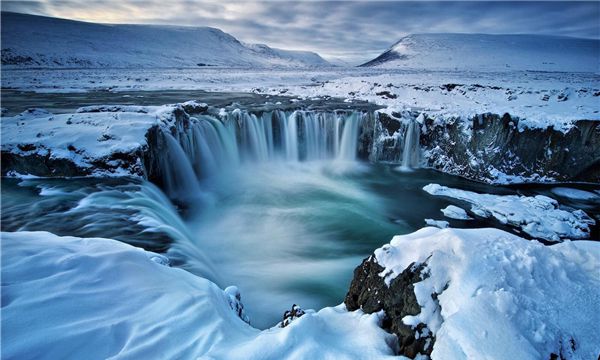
(354, 31)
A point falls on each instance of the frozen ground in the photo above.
(539, 98)
(97, 298)
(84, 137)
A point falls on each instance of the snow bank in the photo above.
(538, 216)
(501, 296)
(67, 297)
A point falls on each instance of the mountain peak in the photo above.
(485, 52)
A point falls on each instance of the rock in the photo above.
(291, 315)
(490, 144)
(235, 302)
(369, 292)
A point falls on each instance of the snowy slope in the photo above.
(500, 297)
(75, 298)
(491, 53)
(36, 41)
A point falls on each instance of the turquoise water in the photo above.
(283, 233)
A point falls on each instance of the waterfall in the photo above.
(209, 145)
(178, 175)
(410, 151)
(348, 146)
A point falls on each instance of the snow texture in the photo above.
(500, 296)
(30, 41)
(539, 216)
(90, 134)
(67, 297)
(437, 223)
(454, 212)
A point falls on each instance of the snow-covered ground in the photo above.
(539, 99)
(43, 42)
(539, 216)
(500, 296)
(97, 298)
(83, 137)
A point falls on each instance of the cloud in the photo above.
(351, 30)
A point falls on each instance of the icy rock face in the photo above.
(493, 148)
(369, 292)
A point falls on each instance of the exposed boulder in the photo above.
(369, 292)
(291, 315)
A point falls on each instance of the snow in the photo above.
(88, 135)
(437, 223)
(30, 41)
(539, 216)
(483, 52)
(83, 137)
(454, 212)
(67, 297)
(501, 296)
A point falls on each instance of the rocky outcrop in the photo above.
(490, 147)
(369, 292)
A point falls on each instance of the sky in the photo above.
(342, 31)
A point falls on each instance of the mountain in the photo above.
(30, 41)
(491, 53)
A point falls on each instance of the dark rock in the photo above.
(369, 292)
(291, 315)
(387, 95)
(40, 165)
(495, 142)
(449, 87)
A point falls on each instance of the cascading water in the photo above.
(209, 146)
(410, 151)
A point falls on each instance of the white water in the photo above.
(211, 145)
(410, 146)
(279, 183)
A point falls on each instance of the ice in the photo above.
(575, 194)
(539, 216)
(454, 212)
(437, 223)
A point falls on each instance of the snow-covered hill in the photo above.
(30, 41)
(475, 52)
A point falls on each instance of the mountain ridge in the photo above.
(32, 41)
(459, 51)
